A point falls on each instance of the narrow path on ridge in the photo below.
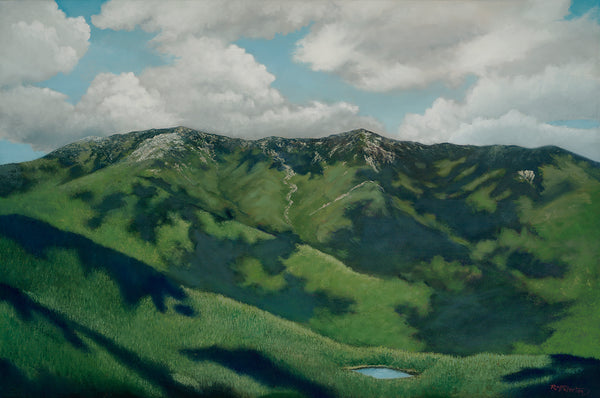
(342, 196)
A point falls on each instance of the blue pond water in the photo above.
(382, 373)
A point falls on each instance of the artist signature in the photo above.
(575, 390)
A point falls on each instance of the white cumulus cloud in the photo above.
(228, 20)
(37, 116)
(516, 128)
(112, 104)
(388, 45)
(120, 103)
(222, 88)
(218, 86)
(517, 110)
(37, 41)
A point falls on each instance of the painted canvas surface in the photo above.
(299, 198)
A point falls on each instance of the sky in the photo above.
(467, 72)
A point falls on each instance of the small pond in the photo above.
(382, 373)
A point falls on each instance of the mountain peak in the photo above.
(158, 146)
(360, 133)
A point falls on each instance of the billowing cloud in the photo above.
(34, 115)
(221, 87)
(37, 41)
(120, 103)
(517, 110)
(515, 128)
(228, 20)
(387, 45)
(533, 66)
(210, 78)
(112, 104)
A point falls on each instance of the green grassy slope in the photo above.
(72, 323)
(368, 241)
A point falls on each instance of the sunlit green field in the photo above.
(240, 273)
(67, 329)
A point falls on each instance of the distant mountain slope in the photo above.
(371, 241)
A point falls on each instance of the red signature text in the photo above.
(568, 389)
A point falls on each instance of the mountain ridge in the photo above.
(368, 241)
(353, 135)
(300, 154)
(385, 208)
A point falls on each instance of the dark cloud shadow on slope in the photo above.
(13, 180)
(212, 267)
(388, 244)
(135, 279)
(256, 365)
(26, 309)
(110, 202)
(490, 315)
(570, 376)
(12, 380)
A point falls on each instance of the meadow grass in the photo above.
(483, 249)
(408, 183)
(139, 349)
(445, 166)
(566, 222)
(258, 190)
(428, 220)
(372, 318)
(471, 186)
(446, 275)
(231, 229)
(321, 201)
(466, 172)
(54, 203)
(557, 227)
(481, 199)
(254, 274)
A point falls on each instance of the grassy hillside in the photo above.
(73, 323)
(121, 244)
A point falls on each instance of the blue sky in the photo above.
(304, 74)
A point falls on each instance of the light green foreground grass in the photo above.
(92, 305)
